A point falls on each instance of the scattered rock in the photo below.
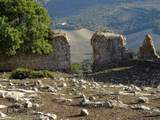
(12, 95)
(146, 88)
(62, 99)
(2, 87)
(2, 115)
(14, 107)
(64, 85)
(35, 106)
(132, 89)
(119, 104)
(143, 100)
(3, 106)
(140, 107)
(87, 103)
(84, 112)
(35, 89)
(28, 104)
(51, 116)
(47, 116)
(92, 98)
(156, 110)
(42, 117)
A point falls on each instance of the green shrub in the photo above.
(76, 68)
(22, 73)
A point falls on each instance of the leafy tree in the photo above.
(9, 38)
(24, 27)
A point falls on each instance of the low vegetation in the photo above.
(22, 73)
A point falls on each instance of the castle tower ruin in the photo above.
(109, 50)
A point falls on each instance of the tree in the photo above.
(24, 27)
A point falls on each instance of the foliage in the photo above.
(24, 27)
(85, 66)
(76, 68)
(10, 38)
(22, 73)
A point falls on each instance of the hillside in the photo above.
(80, 44)
(126, 16)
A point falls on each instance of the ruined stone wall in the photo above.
(147, 50)
(59, 60)
(108, 50)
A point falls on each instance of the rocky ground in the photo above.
(76, 99)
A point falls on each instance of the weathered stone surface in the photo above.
(143, 100)
(47, 116)
(84, 112)
(109, 49)
(2, 115)
(140, 107)
(58, 60)
(147, 50)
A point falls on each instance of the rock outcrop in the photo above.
(147, 50)
(109, 49)
(59, 60)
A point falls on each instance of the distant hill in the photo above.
(134, 18)
(80, 44)
(127, 16)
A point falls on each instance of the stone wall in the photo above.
(59, 60)
(109, 50)
(147, 50)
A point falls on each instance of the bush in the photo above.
(22, 73)
(76, 68)
(24, 27)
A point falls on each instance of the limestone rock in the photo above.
(143, 100)
(147, 50)
(3, 106)
(140, 107)
(109, 49)
(2, 115)
(28, 104)
(63, 99)
(119, 104)
(12, 95)
(47, 116)
(84, 112)
(87, 103)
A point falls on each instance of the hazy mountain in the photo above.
(127, 16)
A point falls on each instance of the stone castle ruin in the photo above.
(109, 50)
(59, 60)
(147, 50)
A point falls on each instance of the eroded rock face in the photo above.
(147, 50)
(108, 49)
